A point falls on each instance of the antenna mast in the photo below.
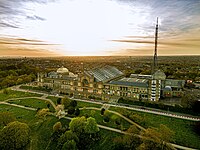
(155, 63)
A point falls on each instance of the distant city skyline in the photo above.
(98, 27)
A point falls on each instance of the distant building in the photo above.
(109, 83)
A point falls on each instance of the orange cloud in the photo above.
(25, 47)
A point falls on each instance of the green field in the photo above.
(184, 133)
(16, 94)
(21, 114)
(41, 131)
(35, 88)
(53, 98)
(80, 104)
(32, 102)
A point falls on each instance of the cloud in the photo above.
(22, 41)
(134, 41)
(35, 17)
(166, 43)
(26, 52)
(14, 46)
(13, 11)
(3, 24)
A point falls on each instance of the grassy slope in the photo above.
(80, 103)
(32, 102)
(184, 134)
(16, 94)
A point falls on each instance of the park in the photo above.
(113, 125)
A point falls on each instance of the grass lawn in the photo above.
(184, 134)
(80, 104)
(16, 94)
(32, 102)
(53, 98)
(21, 114)
(35, 88)
(99, 119)
(41, 131)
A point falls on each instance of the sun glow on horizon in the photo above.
(81, 27)
(99, 27)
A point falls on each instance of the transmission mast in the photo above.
(155, 61)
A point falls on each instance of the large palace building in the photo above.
(108, 83)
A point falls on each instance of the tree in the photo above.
(48, 105)
(77, 112)
(73, 103)
(91, 126)
(67, 136)
(156, 139)
(151, 139)
(77, 125)
(188, 100)
(102, 111)
(6, 118)
(57, 127)
(66, 102)
(116, 119)
(71, 110)
(130, 140)
(59, 101)
(42, 113)
(6, 91)
(69, 145)
(15, 135)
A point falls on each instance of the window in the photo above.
(85, 82)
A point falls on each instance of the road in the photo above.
(130, 107)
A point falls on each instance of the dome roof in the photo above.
(159, 75)
(62, 70)
(167, 88)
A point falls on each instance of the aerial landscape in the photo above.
(99, 75)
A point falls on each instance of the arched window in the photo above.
(85, 82)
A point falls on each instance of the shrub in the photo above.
(102, 111)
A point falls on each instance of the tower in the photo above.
(155, 61)
(155, 82)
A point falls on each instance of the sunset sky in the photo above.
(98, 27)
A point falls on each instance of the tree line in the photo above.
(14, 74)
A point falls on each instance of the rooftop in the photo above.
(105, 73)
(131, 82)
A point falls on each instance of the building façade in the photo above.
(109, 83)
